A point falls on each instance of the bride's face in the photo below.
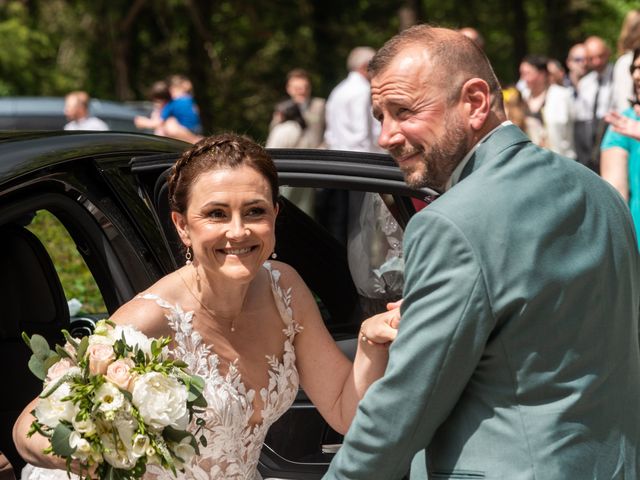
(230, 222)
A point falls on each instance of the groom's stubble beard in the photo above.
(439, 159)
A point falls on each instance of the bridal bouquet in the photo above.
(114, 402)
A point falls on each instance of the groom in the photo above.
(517, 354)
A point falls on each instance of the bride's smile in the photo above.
(230, 222)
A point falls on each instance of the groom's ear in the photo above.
(476, 97)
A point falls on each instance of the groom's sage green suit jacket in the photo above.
(517, 355)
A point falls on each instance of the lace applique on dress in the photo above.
(233, 442)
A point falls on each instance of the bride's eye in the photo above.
(256, 212)
(217, 213)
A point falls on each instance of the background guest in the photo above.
(620, 157)
(577, 65)
(160, 96)
(549, 112)
(593, 102)
(312, 108)
(289, 132)
(557, 73)
(289, 128)
(76, 109)
(474, 35)
(628, 40)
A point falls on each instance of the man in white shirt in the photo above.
(594, 100)
(76, 109)
(350, 125)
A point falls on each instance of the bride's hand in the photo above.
(381, 329)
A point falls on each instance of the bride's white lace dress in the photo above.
(233, 441)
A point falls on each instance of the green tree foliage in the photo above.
(237, 52)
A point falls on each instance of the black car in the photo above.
(47, 113)
(107, 192)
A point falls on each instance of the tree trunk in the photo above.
(121, 51)
(518, 31)
(556, 23)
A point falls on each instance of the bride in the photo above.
(248, 325)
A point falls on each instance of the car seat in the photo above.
(31, 300)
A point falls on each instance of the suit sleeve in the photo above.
(446, 320)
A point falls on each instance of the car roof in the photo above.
(23, 152)
(47, 113)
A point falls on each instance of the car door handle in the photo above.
(331, 447)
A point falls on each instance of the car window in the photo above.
(80, 288)
(364, 224)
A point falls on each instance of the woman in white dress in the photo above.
(248, 325)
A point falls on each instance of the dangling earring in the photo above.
(274, 255)
(188, 256)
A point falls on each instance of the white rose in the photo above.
(110, 398)
(133, 337)
(161, 401)
(82, 447)
(52, 409)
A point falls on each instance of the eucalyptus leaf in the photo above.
(60, 441)
(37, 367)
(39, 346)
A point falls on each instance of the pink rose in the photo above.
(100, 356)
(58, 369)
(119, 373)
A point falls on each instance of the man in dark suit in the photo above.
(517, 354)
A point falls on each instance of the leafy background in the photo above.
(237, 52)
(73, 272)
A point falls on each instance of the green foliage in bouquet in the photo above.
(115, 402)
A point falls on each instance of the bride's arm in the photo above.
(332, 382)
(31, 448)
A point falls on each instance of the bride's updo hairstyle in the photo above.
(217, 152)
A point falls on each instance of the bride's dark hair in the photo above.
(216, 152)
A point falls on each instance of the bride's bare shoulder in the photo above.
(147, 311)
